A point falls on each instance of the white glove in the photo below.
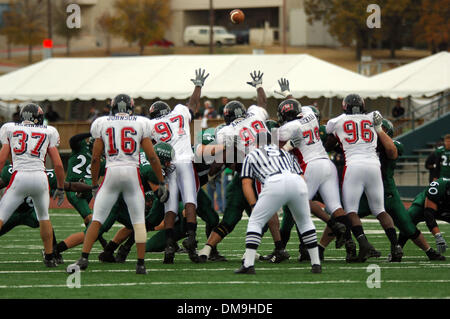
(59, 194)
(441, 245)
(284, 88)
(377, 121)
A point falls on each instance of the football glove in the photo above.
(59, 194)
(94, 191)
(199, 77)
(441, 245)
(296, 140)
(284, 88)
(256, 79)
(162, 193)
(377, 121)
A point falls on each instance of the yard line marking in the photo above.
(223, 282)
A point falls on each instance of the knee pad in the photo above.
(140, 233)
(223, 229)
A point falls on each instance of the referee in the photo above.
(279, 175)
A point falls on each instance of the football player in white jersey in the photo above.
(121, 135)
(28, 143)
(238, 136)
(299, 133)
(172, 127)
(358, 132)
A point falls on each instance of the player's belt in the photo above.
(277, 173)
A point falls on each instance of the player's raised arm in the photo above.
(256, 82)
(284, 89)
(388, 143)
(198, 81)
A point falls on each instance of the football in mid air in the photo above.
(237, 16)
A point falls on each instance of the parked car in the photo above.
(242, 36)
(161, 43)
(199, 35)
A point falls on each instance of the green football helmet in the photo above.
(388, 127)
(207, 136)
(165, 152)
(271, 124)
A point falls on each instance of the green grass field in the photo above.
(23, 275)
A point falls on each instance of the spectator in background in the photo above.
(52, 116)
(209, 112)
(16, 116)
(106, 111)
(139, 110)
(398, 109)
(224, 101)
(92, 115)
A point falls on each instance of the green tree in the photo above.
(25, 23)
(60, 22)
(346, 20)
(142, 21)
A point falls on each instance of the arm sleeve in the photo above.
(330, 127)
(4, 136)
(76, 139)
(96, 129)
(54, 138)
(259, 111)
(184, 110)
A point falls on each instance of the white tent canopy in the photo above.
(169, 76)
(425, 77)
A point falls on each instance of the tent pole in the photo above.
(330, 106)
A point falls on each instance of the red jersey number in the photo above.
(127, 143)
(355, 131)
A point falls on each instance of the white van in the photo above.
(199, 35)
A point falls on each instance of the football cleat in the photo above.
(140, 270)
(58, 258)
(279, 256)
(304, 254)
(316, 269)
(350, 248)
(122, 254)
(82, 263)
(106, 257)
(190, 244)
(374, 253)
(396, 254)
(434, 255)
(364, 248)
(216, 256)
(339, 231)
(50, 263)
(169, 254)
(245, 270)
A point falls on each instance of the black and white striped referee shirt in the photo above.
(264, 162)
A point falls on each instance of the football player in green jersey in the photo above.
(443, 155)
(79, 170)
(393, 204)
(158, 241)
(430, 205)
(25, 213)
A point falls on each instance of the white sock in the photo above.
(205, 251)
(314, 254)
(250, 255)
